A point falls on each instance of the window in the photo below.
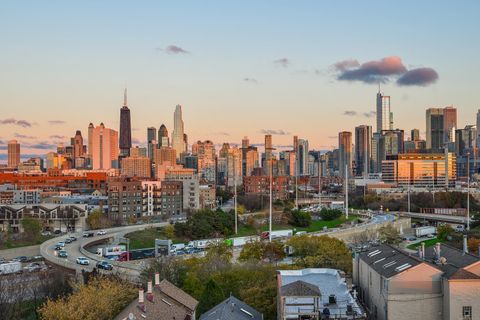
(467, 312)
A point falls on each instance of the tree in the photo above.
(206, 224)
(211, 296)
(321, 252)
(474, 245)
(252, 251)
(219, 252)
(300, 218)
(169, 231)
(31, 228)
(98, 220)
(444, 231)
(389, 234)
(273, 251)
(330, 214)
(241, 209)
(103, 298)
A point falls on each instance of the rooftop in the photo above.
(232, 309)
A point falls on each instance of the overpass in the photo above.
(435, 217)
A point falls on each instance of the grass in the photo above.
(428, 243)
(146, 238)
(11, 244)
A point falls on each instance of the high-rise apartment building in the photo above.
(302, 157)
(163, 140)
(136, 167)
(178, 137)
(79, 150)
(13, 153)
(251, 161)
(345, 152)
(125, 142)
(165, 154)
(205, 152)
(104, 148)
(363, 149)
(151, 141)
(384, 114)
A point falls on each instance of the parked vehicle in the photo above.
(101, 232)
(460, 228)
(46, 233)
(11, 267)
(105, 265)
(425, 231)
(72, 238)
(277, 234)
(88, 234)
(21, 259)
(57, 231)
(83, 261)
(62, 254)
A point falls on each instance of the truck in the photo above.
(277, 234)
(203, 244)
(10, 267)
(425, 231)
(240, 241)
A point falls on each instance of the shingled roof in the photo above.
(300, 288)
(232, 309)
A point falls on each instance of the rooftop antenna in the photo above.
(125, 97)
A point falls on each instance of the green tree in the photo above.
(97, 220)
(273, 251)
(31, 228)
(444, 231)
(300, 218)
(389, 234)
(330, 214)
(321, 252)
(211, 296)
(169, 231)
(252, 251)
(220, 252)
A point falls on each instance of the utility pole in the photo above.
(409, 195)
(271, 195)
(235, 195)
(346, 191)
(468, 191)
(319, 186)
(296, 181)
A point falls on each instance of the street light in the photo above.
(468, 191)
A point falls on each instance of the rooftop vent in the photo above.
(332, 299)
(374, 253)
(403, 267)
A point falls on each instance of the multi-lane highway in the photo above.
(77, 249)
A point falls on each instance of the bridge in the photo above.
(435, 217)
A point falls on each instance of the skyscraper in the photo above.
(163, 140)
(178, 138)
(104, 148)
(302, 157)
(90, 141)
(415, 135)
(478, 130)
(205, 152)
(151, 141)
(79, 150)
(13, 153)
(125, 141)
(384, 115)
(345, 152)
(435, 129)
(363, 149)
(268, 154)
(449, 125)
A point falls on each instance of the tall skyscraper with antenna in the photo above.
(178, 138)
(384, 114)
(125, 141)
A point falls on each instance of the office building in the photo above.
(136, 167)
(251, 161)
(125, 142)
(432, 170)
(363, 150)
(13, 154)
(178, 137)
(414, 135)
(104, 148)
(164, 154)
(302, 157)
(205, 152)
(151, 141)
(163, 140)
(383, 114)
(440, 126)
(138, 151)
(345, 153)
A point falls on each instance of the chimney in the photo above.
(140, 297)
(149, 291)
(465, 246)
(157, 278)
(423, 250)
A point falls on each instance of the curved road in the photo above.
(76, 249)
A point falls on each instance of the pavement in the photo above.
(77, 249)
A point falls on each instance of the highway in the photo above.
(435, 217)
(76, 249)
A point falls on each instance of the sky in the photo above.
(238, 68)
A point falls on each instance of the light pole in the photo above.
(319, 186)
(408, 195)
(235, 196)
(468, 191)
(271, 195)
(296, 181)
(346, 191)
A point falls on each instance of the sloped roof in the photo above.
(232, 309)
(300, 288)
(178, 294)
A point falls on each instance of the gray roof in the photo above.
(300, 288)
(455, 260)
(388, 261)
(232, 309)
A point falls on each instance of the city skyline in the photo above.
(47, 102)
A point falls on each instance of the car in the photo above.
(88, 234)
(62, 254)
(2, 260)
(61, 244)
(83, 261)
(32, 267)
(37, 258)
(57, 231)
(105, 265)
(68, 240)
(57, 248)
(21, 259)
(46, 233)
(73, 238)
(101, 232)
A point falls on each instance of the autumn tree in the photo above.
(321, 252)
(97, 220)
(444, 231)
(31, 228)
(103, 298)
(389, 234)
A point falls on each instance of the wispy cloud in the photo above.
(278, 132)
(23, 136)
(54, 122)
(56, 136)
(369, 114)
(250, 80)
(172, 49)
(20, 123)
(350, 113)
(346, 64)
(282, 62)
(221, 133)
(418, 77)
